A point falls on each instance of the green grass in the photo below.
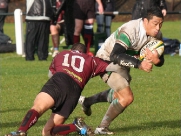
(154, 112)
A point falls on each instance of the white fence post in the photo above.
(19, 32)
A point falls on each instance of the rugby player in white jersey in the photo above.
(120, 48)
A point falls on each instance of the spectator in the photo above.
(56, 30)
(38, 17)
(104, 21)
(84, 14)
(141, 6)
(3, 9)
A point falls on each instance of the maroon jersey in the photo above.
(81, 67)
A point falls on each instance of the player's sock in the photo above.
(29, 120)
(88, 34)
(113, 111)
(110, 96)
(63, 129)
(76, 39)
(56, 41)
(99, 97)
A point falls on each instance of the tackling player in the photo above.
(69, 72)
(120, 48)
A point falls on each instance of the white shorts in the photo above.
(119, 79)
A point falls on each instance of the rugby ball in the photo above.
(153, 44)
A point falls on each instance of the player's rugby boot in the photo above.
(82, 127)
(103, 131)
(18, 133)
(86, 110)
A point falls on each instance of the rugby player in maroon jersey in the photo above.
(69, 72)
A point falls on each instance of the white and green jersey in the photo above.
(131, 35)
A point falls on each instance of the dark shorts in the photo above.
(84, 9)
(65, 92)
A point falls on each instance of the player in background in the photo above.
(55, 29)
(84, 15)
(120, 48)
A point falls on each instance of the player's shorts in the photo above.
(84, 9)
(119, 79)
(65, 92)
(60, 17)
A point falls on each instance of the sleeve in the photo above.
(99, 66)
(119, 56)
(51, 67)
(162, 60)
(163, 4)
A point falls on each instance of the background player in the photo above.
(84, 14)
(57, 29)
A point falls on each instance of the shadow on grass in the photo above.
(150, 125)
(13, 124)
(18, 123)
(9, 110)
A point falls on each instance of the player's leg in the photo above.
(108, 21)
(79, 17)
(43, 44)
(88, 33)
(42, 103)
(99, 97)
(100, 22)
(53, 121)
(54, 29)
(55, 126)
(87, 102)
(88, 26)
(2, 19)
(77, 30)
(30, 46)
(123, 97)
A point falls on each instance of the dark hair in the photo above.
(153, 11)
(79, 46)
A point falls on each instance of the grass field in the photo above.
(154, 112)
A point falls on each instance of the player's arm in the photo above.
(119, 56)
(51, 69)
(100, 6)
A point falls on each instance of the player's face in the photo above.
(153, 26)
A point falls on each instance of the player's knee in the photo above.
(126, 100)
(46, 131)
(129, 99)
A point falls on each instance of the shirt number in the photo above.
(72, 63)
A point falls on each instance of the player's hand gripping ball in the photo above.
(153, 44)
